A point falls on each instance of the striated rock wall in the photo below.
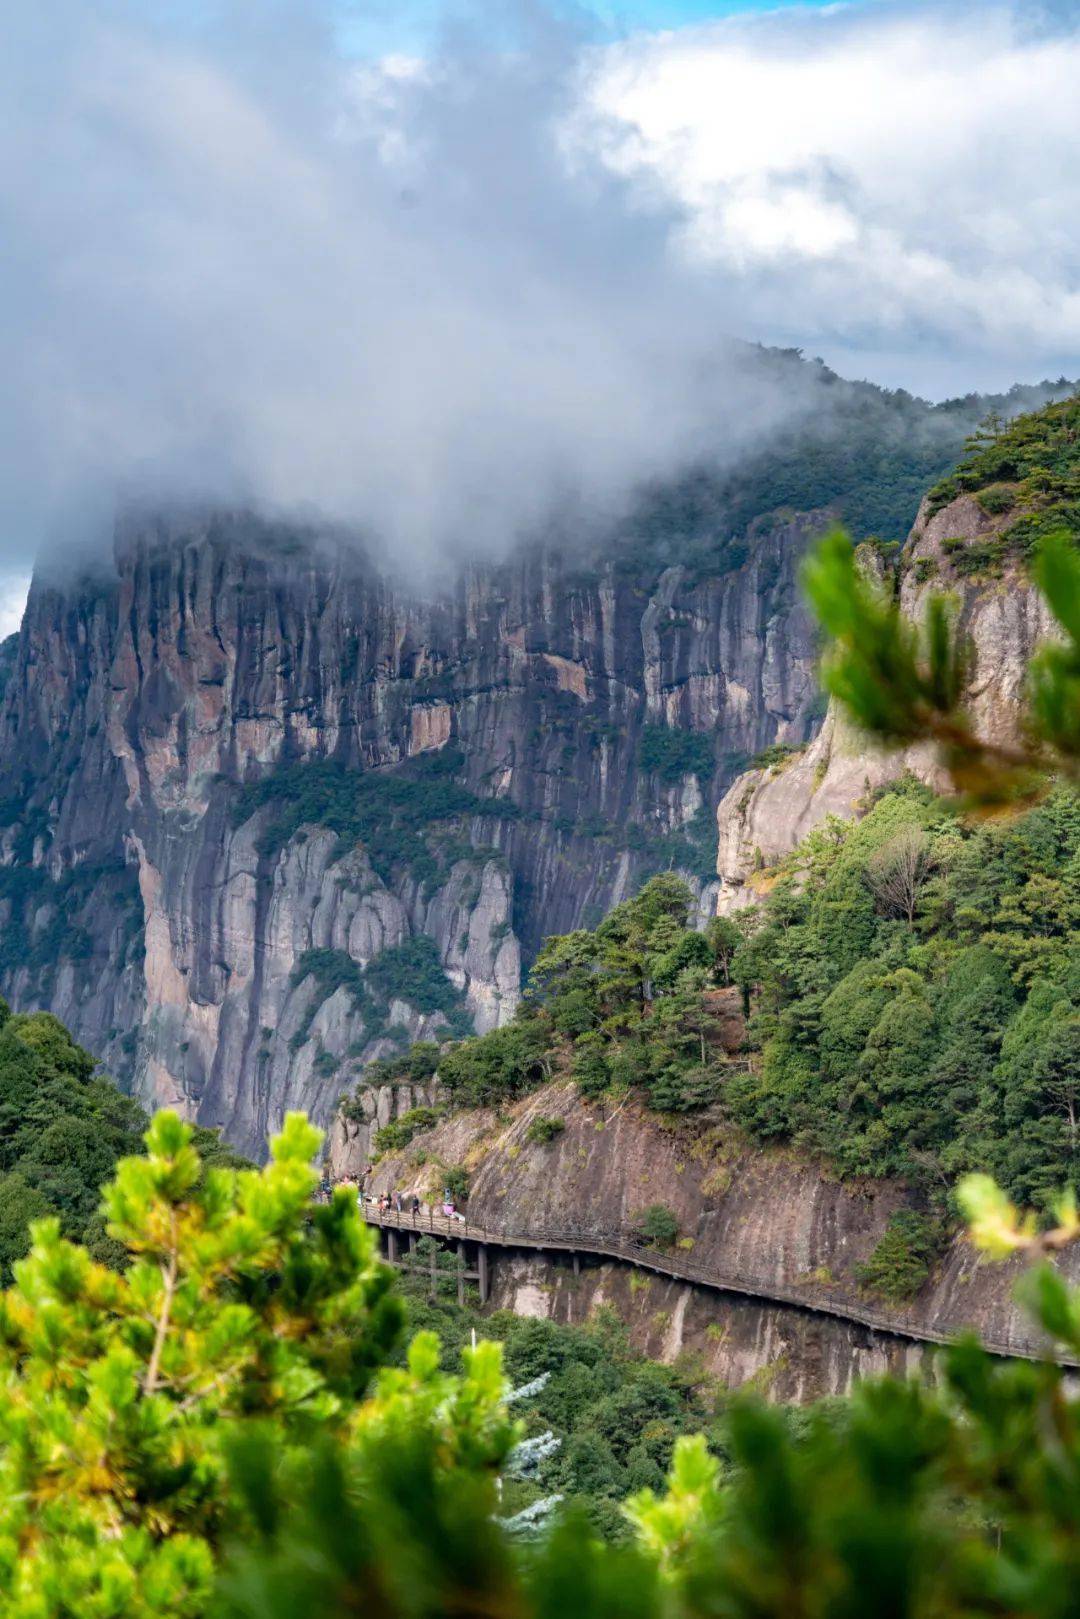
(770, 1221)
(765, 813)
(349, 1141)
(782, 1353)
(170, 935)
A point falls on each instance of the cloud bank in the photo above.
(453, 299)
(894, 185)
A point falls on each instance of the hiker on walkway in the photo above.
(415, 1204)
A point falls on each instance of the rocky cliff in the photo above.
(246, 778)
(767, 811)
(772, 1220)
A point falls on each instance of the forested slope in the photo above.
(913, 979)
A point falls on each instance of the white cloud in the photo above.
(447, 299)
(872, 177)
(248, 269)
(14, 590)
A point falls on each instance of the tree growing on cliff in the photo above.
(657, 1225)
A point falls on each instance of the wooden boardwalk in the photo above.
(626, 1246)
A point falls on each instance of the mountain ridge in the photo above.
(559, 731)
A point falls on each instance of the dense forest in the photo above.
(63, 1127)
(914, 985)
(864, 453)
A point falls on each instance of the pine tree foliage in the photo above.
(244, 1311)
(214, 1433)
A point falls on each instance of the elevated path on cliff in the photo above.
(628, 1247)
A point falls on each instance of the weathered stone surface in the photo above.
(219, 647)
(767, 1220)
(349, 1142)
(783, 1354)
(767, 812)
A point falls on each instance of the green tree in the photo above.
(244, 1309)
(903, 1256)
(62, 1128)
(657, 1225)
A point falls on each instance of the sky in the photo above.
(451, 273)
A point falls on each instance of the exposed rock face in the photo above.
(766, 813)
(768, 1220)
(170, 932)
(782, 1353)
(349, 1144)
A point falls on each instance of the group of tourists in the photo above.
(392, 1202)
(389, 1202)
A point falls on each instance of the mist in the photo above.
(250, 268)
(452, 298)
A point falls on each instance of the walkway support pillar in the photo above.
(482, 1270)
(461, 1273)
(391, 1246)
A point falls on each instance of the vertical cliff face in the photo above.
(266, 815)
(766, 812)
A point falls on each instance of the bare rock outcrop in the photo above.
(770, 1220)
(783, 1354)
(349, 1145)
(766, 812)
(173, 928)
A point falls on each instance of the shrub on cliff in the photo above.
(543, 1129)
(657, 1225)
(903, 1257)
(670, 754)
(399, 1132)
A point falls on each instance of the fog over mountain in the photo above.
(454, 296)
(250, 268)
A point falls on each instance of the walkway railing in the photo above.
(626, 1245)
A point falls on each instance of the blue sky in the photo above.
(408, 25)
(674, 13)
